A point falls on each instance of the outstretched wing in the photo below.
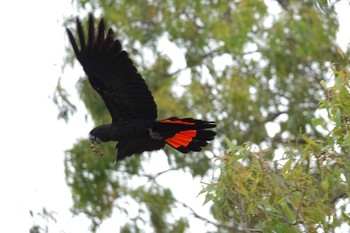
(112, 74)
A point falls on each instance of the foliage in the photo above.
(300, 192)
(247, 67)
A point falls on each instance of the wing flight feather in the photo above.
(112, 73)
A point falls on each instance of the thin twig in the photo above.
(154, 176)
(230, 228)
(195, 214)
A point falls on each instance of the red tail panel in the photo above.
(177, 122)
(186, 134)
(182, 138)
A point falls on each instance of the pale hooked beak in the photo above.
(94, 139)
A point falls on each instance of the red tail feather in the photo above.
(186, 134)
(182, 138)
(177, 122)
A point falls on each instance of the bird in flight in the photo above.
(130, 103)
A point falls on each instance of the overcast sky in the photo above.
(32, 139)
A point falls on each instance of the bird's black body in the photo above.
(131, 105)
(123, 130)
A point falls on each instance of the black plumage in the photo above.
(130, 103)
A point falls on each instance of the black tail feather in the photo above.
(187, 134)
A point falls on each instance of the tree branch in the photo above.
(154, 176)
(195, 214)
(230, 228)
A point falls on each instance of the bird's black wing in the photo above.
(112, 74)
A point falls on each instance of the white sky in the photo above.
(32, 139)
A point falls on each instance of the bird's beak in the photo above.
(94, 139)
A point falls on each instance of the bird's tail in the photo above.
(185, 134)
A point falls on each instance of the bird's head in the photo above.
(100, 134)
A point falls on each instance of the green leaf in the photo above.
(286, 166)
(208, 197)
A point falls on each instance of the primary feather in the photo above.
(112, 74)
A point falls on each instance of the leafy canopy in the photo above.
(256, 68)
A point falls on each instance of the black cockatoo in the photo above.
(129, 101)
